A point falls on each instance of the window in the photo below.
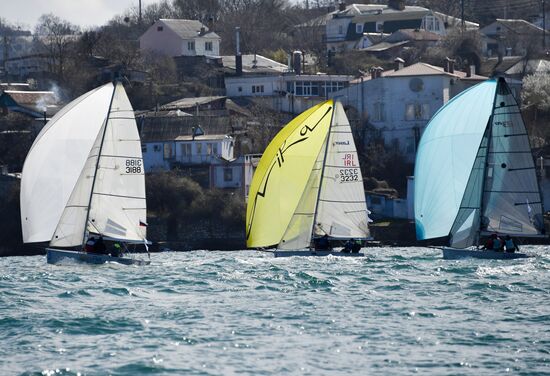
(240, 89)
(227, 174)
(340, 30)
(416, 111)
(144, 148)
(160, 28)
(168, 151)
(209, 148)
(185, 150)
(215, 149)
(257, 88)
(359, 29)
(199, 148)
(378, 112)
(208, 46)
(156, 148)
(191, 46)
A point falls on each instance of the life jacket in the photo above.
(497, 244)
(510, 244)
(89, 246)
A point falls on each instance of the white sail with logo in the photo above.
(342, 209)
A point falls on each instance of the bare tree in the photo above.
(56, 36)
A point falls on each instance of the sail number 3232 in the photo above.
(349, 174)
(134, 166)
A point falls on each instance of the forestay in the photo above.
(55, 161)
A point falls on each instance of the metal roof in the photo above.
(187, 29)
(254, 63)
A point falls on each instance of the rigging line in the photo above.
(521, 168)
(515, 134)
(527, 203)
(531, 192)
(342, 201)
(121, 196)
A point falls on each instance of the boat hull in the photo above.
(54, 256)
(312, 253)
(457, 254)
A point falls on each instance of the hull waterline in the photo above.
(457, 254)
(55, 256)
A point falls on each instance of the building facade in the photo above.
(180, 38)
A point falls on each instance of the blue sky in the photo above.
(80, 12)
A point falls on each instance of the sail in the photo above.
(117, 205)
(512, 202)
(300, 227)
(446, 156)
(342, 209)
(465, 230)
(283, 174)
(55, 161)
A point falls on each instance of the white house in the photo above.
(186, 150)
(286, 92)
(509, 37)
(399, 103)
(350, 26)
(180, 38)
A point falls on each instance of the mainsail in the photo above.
(55, 162)
(308, 182)
(481, 179)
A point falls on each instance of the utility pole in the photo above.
(543, 25)
(462, 13)
(140, 12)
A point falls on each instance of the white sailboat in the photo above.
(308, 185)
(84, 176)
(475, 175)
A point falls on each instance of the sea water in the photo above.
(395, 312)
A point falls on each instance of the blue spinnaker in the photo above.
(445, 158)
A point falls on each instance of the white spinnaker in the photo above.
(298, 232)
(117, 206)
(55, 161)
(342, 209)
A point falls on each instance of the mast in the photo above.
(97, 163)
(322, 172)
(489, 131)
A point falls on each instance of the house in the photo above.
(290, 93)
(397, 104)
(36, 104)
(27, 66)
(347, 26)
(393, 45)
(180, 38)
(509, 37)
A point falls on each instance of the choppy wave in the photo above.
(397, 311)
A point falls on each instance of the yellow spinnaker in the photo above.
(282, 175)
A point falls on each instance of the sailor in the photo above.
(99, 246)
(117, 250)
(510, 245)
(356, 247)
(348, 246)
(90, 244)
(323, 243)
(498, 244)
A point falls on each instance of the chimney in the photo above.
(399, 63)
(238, 56)
(342, 6)
(372, 73)
(210, 23)
(396, 4)
(297, 60)
(449, 65)
(203, 30)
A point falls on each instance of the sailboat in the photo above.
(83, 176)
(308, 185)
(475, 175)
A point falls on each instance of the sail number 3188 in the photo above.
(133, 166)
